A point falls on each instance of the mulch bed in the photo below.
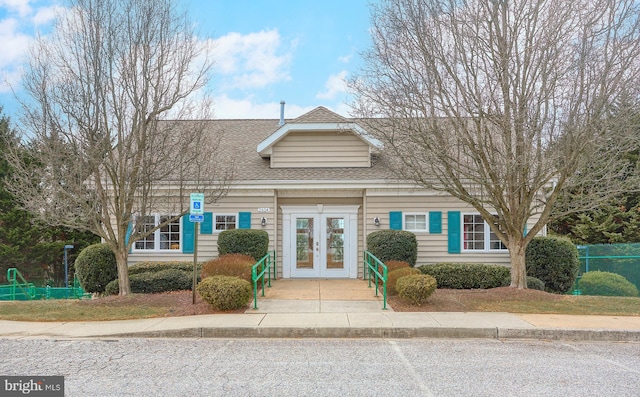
(180, 303)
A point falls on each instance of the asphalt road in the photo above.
(327, 367)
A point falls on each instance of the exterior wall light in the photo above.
(376, 221)
(263, 221)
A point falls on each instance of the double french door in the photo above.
(320, 243)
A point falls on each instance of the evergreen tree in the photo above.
(616, 221)
(35, 249)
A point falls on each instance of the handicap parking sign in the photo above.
(197, 204)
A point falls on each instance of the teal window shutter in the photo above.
(525, 230)
(435, 222)
(188, 230)
(128, 235)
(244, 220)
(395, 220)
(454, 232)
(206, 227)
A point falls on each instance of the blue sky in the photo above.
(266, 51)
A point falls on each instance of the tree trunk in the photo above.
(123, 273)
(518, 266)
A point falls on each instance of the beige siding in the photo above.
(320, 149)
(432, 247)
(233, 203)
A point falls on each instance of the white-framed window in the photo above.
(477, 235)
(415, 221)
(225, 222)
(166, 238)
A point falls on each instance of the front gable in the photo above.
(319, 139)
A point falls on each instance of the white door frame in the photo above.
(320, 212)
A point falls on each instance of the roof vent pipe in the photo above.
(281, 113)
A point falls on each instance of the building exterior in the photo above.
(319, 185)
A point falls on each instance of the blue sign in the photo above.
(196, 218)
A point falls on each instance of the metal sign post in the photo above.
(196, 215)
(66, 269)
(195, 262)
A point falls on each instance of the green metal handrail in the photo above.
(28, 289)
(18, 285)
(258, 271)
(374, 265)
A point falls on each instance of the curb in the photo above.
(591, 335)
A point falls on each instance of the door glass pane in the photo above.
(335, 243)
(304, 243)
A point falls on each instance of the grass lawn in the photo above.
(181, 304)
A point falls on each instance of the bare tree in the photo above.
(110, 90)
(503, 104)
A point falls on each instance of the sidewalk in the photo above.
(336, 310)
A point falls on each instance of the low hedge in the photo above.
(416, 288)
(224, 292)
(606, 284)
(155, 281)
(150, 266)
(467, 275)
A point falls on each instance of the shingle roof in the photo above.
(241, 137)
(320, 115)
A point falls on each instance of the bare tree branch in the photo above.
(503, 103)
(105, 88)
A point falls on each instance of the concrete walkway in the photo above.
(339, 309)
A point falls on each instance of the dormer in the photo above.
(319, 139)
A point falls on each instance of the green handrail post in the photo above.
(374, 265)
(28, 289)
(264, 265)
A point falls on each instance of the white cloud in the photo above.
(345, 59)
(46, 15)
(17, 6)
(14, 47)
(16, 34)
(334, 85)
(254, 60)
(246, 108)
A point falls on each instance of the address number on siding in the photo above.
(264, 209)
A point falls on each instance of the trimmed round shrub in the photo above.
(237, 265)
(394, 275)
(606, 284)
(96, 267)
(155, 281)
(417, 288)
(467, 275)
(225, 292)
(554, 260)
(398, 245)
(532, 283)
(113, 288)
(254, 243)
